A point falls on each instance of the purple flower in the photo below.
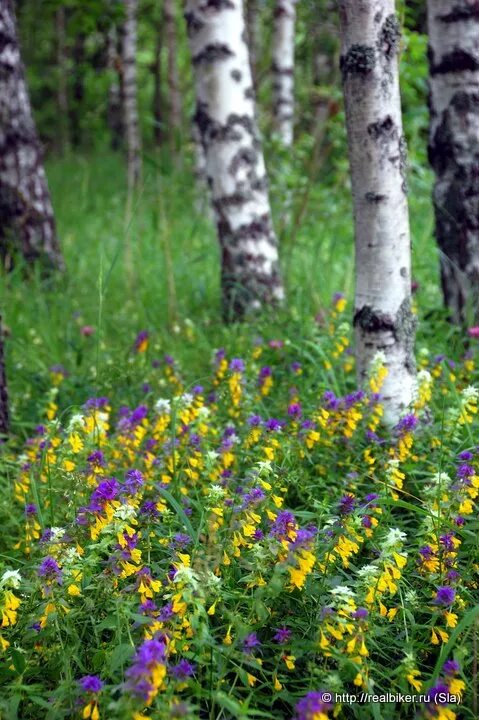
(438, 694)
(141, 341)
(464, 472)
(182, 670)
(283, 525)
(254, 420)
(180, 541)
(465, 455)
(347, 504)
(50, 570)
(407, 424)
(106, 490)
(294, 410)
(30, 509)
(361, 614)
(149, 508)
(250, 642)
(445, 595)
(273, 425)
(312, 705)
(133, 481)
(237, 365)
(91, 684)
(283, 635)
(450, 667)
(96, 458)
(253, 497)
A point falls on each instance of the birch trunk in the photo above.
(283, 69)
(130, 94)
(114, 118)
(370, 38)
(4, 419)
(174, 94)
(454, 148)
(26, 213)
(234, 160)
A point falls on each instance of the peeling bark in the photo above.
(283, 69)
(130, 94)
(26, 214)
(225, 117)
(4, 415)
(454, 149)
(383, 320)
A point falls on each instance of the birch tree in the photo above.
(454, 148)
(157, 94)
(283, 69)
(383, 321)
(130, 94)
(253, 31)
(235, 168)
(114, 119)
(26, 214)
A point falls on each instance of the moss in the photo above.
(359, 60)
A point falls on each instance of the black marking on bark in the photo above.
(218, 5)
(214, 52)
(403, 272)
(281, 70)
(193, 23)
(390, 36)
(403, 164)
(236, 75)
(359, 60)
(373, 321)
(244, 156)
(211, 130)
(382, 128)
(458, 13)
(249, 93)
(375, 198)
(227, 201)
(457, 61)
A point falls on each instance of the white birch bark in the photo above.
(234, 160)
(370, 37)
(130, 94)
(454, 148)
(283, 69)
(253, 30)
(26, 212)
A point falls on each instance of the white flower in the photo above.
(70, 555)
(203, 412)
(163, 406)
(342, 592)
(56, 533)
(124, 512)
(76, 420)
(187, 576)
(440, 478)
(470, 393)
(11, 578)
(215, 493)
(264, 467)
(185, 399)
(424, 377)
(368, 571)
(394, 537)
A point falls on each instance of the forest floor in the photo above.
(210, 522)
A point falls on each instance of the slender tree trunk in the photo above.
(253, 30)
(283, 69)
(130, 94)
(4, 418)
(157, 95)
(370, 38)
(454, 148)
(174, 93)
(26, 213)
(234, 160)
(78, 89)
(114, 119)
(62, 87)
(325, 66)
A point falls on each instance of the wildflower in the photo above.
(314, 706)
(445, 595)
(141, 341)
(50, 571)
(148, 670)
(182, 670)
(250, 643)
(91, 685)
(282, 636)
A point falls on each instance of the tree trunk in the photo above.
(78, 89)
(26, 213)
(283, 69)
(157, 95)
(370, 38)
(62, 88)
(4, 419)
(254, 37)
(114, 119)
(454, 148)
(130, 94)
(174, 94)
(235, 168)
